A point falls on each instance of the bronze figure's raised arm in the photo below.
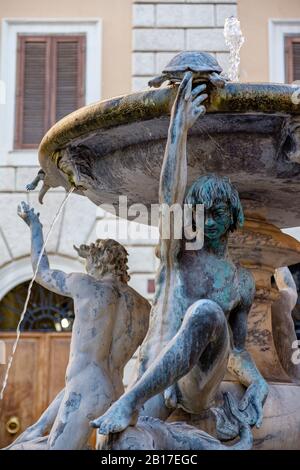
(111, 320)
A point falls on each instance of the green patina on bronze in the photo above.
(199, 317)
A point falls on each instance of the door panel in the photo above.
(58, 347)
(36, 376)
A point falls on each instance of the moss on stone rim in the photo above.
(237, 98)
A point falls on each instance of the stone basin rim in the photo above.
(240, 98)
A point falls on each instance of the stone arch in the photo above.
(20, 270)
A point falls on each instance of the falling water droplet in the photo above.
(234, 39)
(18, 331)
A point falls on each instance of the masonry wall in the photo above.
(163, 28)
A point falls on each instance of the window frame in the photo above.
(278, 30)
(10, 28)
(289, 40)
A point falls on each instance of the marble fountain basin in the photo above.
(251, 132)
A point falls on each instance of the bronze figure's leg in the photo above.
(203, 337)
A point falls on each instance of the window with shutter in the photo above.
(292, 58)
(50, 84)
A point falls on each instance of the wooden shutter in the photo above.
(50, 84)
(292, 58)
(32, 84)
(69, 93)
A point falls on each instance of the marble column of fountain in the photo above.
(251, 133)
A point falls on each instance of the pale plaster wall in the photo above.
(163, 28)
(254, 16)
(116, 24)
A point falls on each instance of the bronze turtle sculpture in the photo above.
(203, 66)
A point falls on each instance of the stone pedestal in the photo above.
(262, 248)
(280, 429)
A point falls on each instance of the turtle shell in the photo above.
(194, 61)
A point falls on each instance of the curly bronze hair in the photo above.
(108, 256)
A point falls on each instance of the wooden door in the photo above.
(36, 376)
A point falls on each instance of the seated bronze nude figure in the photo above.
(198, 323)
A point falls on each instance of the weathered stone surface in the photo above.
(223, 12)
(176, 15)
(4, 253)
(158, 39)
(140, 83)
(7, 179)
(153, 434)
(77, 223)
(143, 15)
(223, 60)
(184, 15)
(162, 59)
(280, 427)
(263, 248)
(40, 443)
(143, 63)
(12, 226)
(206, 40)
(24, 176)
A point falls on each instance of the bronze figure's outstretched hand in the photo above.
(27, 214)
(188, 104)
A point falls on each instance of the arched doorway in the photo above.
(46, 310)
(38, 370)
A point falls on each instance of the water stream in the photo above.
(234, 39)
(18, 330)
